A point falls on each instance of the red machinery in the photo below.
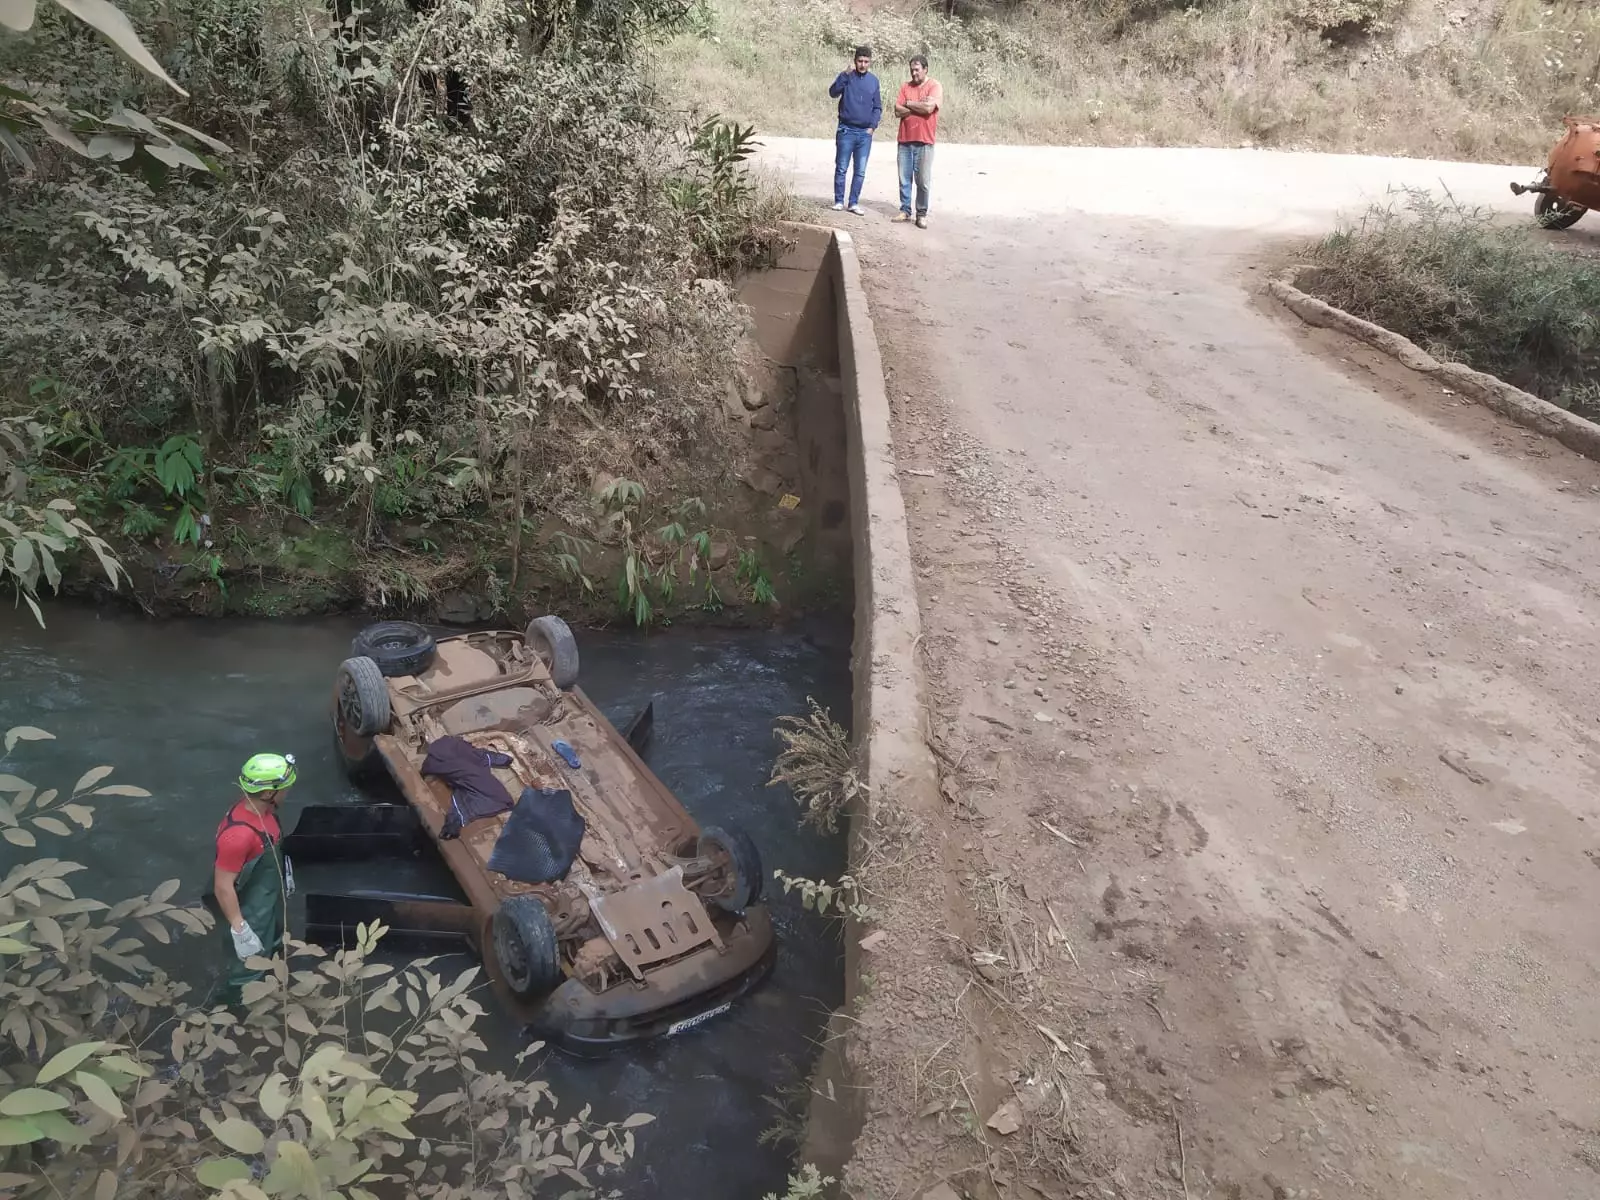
(1570, 185)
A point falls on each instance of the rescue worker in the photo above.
(252, 879)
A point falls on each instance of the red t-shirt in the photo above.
(915, 128)
(239, 836)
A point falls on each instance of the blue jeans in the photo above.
(916, 163)
(850, 144)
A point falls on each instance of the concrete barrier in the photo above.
(889, 716)
(1522, 407)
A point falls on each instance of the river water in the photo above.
(176, 707)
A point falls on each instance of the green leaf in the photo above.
(118, 147)
(23, 556)
(219, 1172)
(236, 1134)
(17, 15)
(62, 134)
(274, 1099)
(25, 1102)
(99, 1093)
(68, 1060)
(90, 777)
(112, 24)
(206, 140)
(17, 1132)
(174, 155)
(105, 1188)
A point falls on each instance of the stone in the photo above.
(718, 558)
(733, 403)
(753, 397)
(462, 608)
(764, 418)
(764, 480)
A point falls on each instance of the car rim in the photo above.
(349, 702)
(513, 961)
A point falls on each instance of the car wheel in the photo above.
(362, 768)
(742, 884)
(526, 948)
(552, 641)
(398, 647)
(1552, 212)
(363, 697)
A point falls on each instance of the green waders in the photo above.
(260, 888)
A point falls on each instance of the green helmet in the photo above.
(267, 773)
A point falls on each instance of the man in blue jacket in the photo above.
(860, 110)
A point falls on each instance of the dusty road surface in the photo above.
(1264, 679)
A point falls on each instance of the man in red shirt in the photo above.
(252, 879)
(917, 106)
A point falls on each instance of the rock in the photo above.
(1007, 1118)
(718, 558)
(941, 1191)
(733, 403)
(752, 396)
(764, 418)
(874, 940)
(791, 539)
(462, 608)
(764, 480)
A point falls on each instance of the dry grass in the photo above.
(818, 766)
(1469, 79)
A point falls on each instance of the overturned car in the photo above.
(602, 912)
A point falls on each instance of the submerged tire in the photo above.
(363, 697)
(744, 864)
(526, 948)
(552, 640)
(1554, 213)
(363, 769)
(398, 647)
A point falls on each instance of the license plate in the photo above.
(698, 1019)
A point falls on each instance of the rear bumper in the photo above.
(673, 998)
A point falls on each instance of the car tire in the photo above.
(363, 770)
(552, 640)
(526, 948)
(745, 860)
(362, 695)
(398, 647)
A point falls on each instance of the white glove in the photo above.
(245, 942)
(288, 876)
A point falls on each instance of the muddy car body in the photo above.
(657, 925)
(1570, 185)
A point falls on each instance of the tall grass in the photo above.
(1401, 78)
(1496, 297)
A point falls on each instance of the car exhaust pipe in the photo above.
(1522, 189)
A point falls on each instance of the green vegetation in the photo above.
(1474, 81)
(426, 275)
(343, 1076)
(1496, 297)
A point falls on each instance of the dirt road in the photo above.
(1265, 680)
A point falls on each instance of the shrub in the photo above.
(1469, 289)
(343, 1076)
